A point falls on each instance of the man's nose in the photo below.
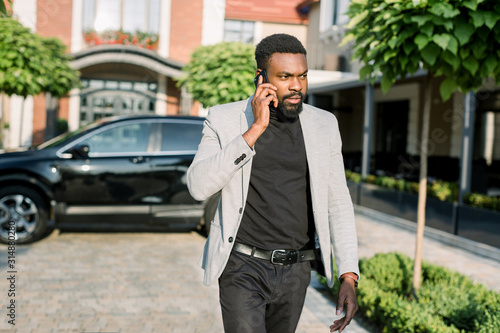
(295, 84)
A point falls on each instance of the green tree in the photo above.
(220, 73)
(31, 64)
(458, 40)
(3, 7)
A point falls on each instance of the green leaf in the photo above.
(389, 54)
(453, 45)
(442, 40)
(365, 71)
(478, 18)
(421, 41)
(452, 60)
(471, 4)
(393, 42)
(408, 48)
(490, 19)
(448, 24)
(443, 9)
(347, 39)
(463, 32)
(357, 19)
(430, 53)
(490, 64)
(427, 29)
(478, 49)
(471, 64)
(420, 19)
(385, 84)
(447, 88)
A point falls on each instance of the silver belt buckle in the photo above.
(273, 256)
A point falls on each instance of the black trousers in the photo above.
(257, 296)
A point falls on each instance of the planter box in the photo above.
(354, 191)
(481, 225)
(438, 214)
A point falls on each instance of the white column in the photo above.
(76, 27)
(161, 96)
(21, 113)
(367, 130)
(74, 110)
(212, 31)
(25, 12)
(164, 43)
(467, 145)
(257, 32)
(489, 136)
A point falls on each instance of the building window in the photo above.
(238, 31)
(126, 15)
(332, 13)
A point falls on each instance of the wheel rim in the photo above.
(18, 210)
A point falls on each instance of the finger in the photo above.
(337, 324)
(260, 80)
(340, 306)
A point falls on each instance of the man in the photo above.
(278, 165)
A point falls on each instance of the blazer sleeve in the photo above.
(341, 212)
(218, 158)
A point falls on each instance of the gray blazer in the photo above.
(224, 162)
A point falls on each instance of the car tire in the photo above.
(25, 209)
(210, 208)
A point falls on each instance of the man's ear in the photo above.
(257, 72)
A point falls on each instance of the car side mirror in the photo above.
(80, 151)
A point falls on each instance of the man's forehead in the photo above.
(289, 62)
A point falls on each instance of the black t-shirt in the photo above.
(277, 212)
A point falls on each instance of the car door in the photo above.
(112, 183)
(172, 204)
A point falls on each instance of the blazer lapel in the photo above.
(310, 133)
(246, 118)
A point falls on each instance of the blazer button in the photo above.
(230, 239)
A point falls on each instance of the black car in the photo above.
(128, 171)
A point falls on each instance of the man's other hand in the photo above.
(347, 298)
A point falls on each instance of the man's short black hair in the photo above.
(277, 43)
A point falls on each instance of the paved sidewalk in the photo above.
(150, 282)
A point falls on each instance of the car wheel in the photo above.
(23, 215)
(210, 208)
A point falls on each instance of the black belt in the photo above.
(277, 257)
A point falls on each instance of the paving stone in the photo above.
(150, 282)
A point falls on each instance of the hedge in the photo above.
(439, 189)
(448, 302)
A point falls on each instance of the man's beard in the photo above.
(289, 112)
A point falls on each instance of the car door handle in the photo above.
(140, 159)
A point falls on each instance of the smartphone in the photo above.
(264, 75)
(265, 80)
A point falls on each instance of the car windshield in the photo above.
(59, 140)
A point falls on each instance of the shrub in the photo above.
(448, 302)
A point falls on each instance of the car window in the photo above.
(181, 137)
(125, 138)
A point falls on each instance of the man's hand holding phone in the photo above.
(265, 94)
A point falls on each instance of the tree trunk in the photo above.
(2, 122)
(422, 191)
(21, 123)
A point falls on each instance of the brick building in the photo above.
(130, 52)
